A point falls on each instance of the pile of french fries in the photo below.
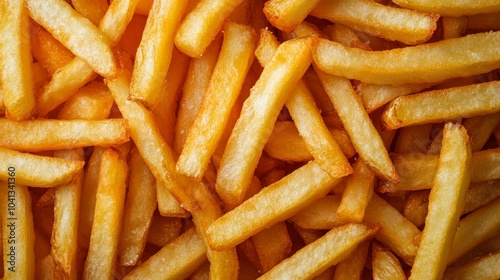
(244, 139)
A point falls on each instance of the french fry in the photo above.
(64, 238)
(358, 125)
(110, 200)
(220, 96)
(287, 15)
(454, 27)
(352, 267)
(455, 8)
(167, 204)
(415, 207)
(272, 245)
(487, 247)
(38, 171)
(155, 51)
(43, 135)
(407, 26)
(49, 52)
(466, 56)
(480, 194)
(91, 102)
(15, 74)
(330, 249)
(384, 264)
(481, 128)
(309, 235)
(140, 205)
(440, 105)
(304, 29)
(173, 261)
(201, 273)
(163, 230)
(345, 35)
(18, 236)
(202, 24)
(319, 215)
(278, 78)
(446, 202)
(413, 139)
(486, 267)
(93, 10)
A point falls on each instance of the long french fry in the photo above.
(287, 15)
(49, 52)
(453, 8)
(15, 74)
(465, 56)
(486, 267)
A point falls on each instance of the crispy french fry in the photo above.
(15, 74)
(43, 135)
(446, 202)
(487, 267)
(49, 52)
(91, 102)
(110, 200)
(481, 128)
(140, 205)
(173, 261)
(163, 230)
(384, 264)
(220, 96)
(18, 236)
(328, 250)
(352, 267)
(454, 8)
(287, 15)
(38, 171)
(406, 26)
(94, 10)
(279, 77)
(358, 125)
(466, 56)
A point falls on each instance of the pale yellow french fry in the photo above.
(16, 77)
(94, 10)
(466, 56)
(352, 267)
(64, 238)
(407, 26)
(110, 200)
(440, 105)
(235, 59)
(155, 51)
(454, 27)
(287, 15)
(38, 171)
(49, 52)
(18, 235)
(46, 134)
(251, 129)
(385, 265)
(453, 8)
(486, 267)
(202, 24)
(446, 202)
(91, 102)
(328, 250)
(358, 125)
(140, 205)
(173, 261)
(481, 128)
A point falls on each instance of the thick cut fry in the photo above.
(446, 203)
(64, 238)
(486, 267)
(44, 135)
(138, 213)
(88, 43)
(38, 171)
(155, 51)
(94, 10)
(330, 249)
(176, 260)
(385, 265)
(49, 52)
(452, 8)
(258, 115)
(440, 105)
(110, 199)
(406, 26)
(15, 60)
(287, 15)
(465, 56)
(91, 102)
(235, 59)
(253, 215)
(202, 24)
(358, 125)
(352, 267)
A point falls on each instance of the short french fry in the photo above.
(110, 200)
(328, 250)
(384, 264)
(38, 171)
(91, 102)
(454, 8)
(352, 267)
(287, 15)
(466, 56)
(49, 52)
(44, 135)
(487, 267)
(94, 10)
(15, 57)
(446, 202)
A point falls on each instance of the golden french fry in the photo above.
(173, 261)
(407, 26)
(251, 129)
(94, 10)
(358, 125)
(163, 230)
(466, 56)
(168, 206)
(454, 27)
(480, 194)
(352, 267)
(155, 51)
(49, 52)
(413, 139)
(328, 250)
(18, 236)
(234, 60)
(309, 235)
(346, 36)
(384, 264)
(454, 8)
(481, 128)
(272, 245)
(487, 247)
(43, 135)
(110, 200)
(415, 207)
(38, 171)
(16, 77)
(287, 15)
(319, 215)
(446, 202)
(487, 267)
(91, 102)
